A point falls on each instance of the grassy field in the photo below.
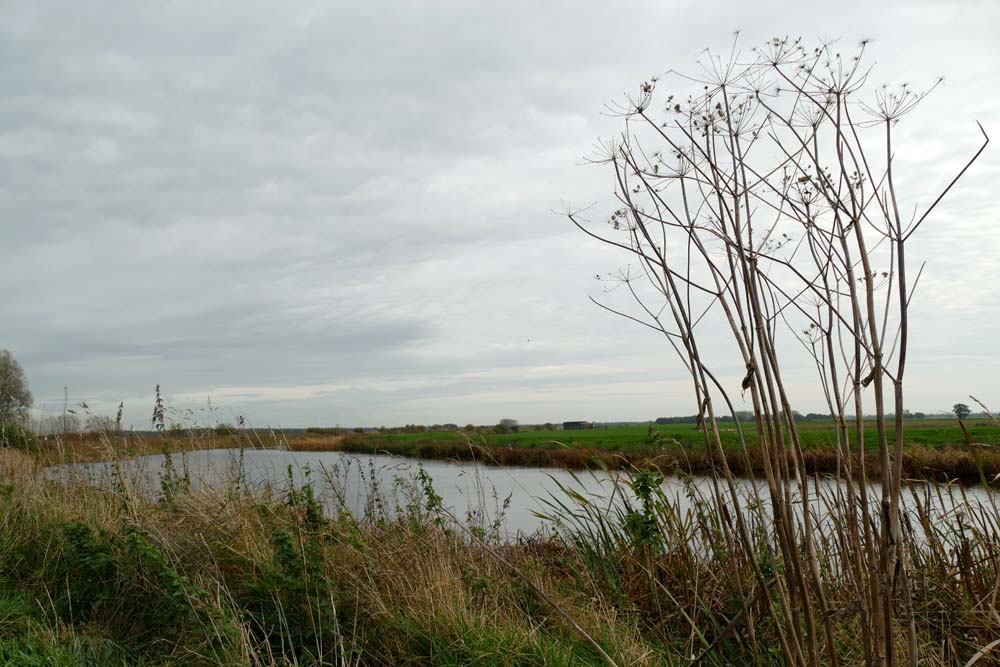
(936, 449)
(645, 438)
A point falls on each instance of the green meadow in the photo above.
(642, 438)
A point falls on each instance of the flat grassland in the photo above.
(643, 438)
(933, 448)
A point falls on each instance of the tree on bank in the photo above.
(961, 410)
(15, 397)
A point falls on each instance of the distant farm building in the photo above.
(576, 426)
(509, 423)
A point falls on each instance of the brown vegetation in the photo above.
(970, 465)
(242, 574)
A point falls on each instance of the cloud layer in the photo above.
(343, 213)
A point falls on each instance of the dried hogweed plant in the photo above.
(765, 206)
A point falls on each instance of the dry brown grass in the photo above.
(403, 592)
(17, 467)
(411, 587)
(111, 446)
(314, 442)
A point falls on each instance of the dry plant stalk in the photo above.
(764, 205)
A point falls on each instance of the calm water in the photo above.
(366, 483)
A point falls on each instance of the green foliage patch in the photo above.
(17, 437)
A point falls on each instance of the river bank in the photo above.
(243, 572)
(968, 464)
(935, 449)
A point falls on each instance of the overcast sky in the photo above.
(342, 213)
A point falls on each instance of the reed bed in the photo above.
(63, 448)
(975, 464)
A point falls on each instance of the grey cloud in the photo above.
(219, 196)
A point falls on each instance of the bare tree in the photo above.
(15, 397)
(765, 204)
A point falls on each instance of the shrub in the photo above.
(15, 436)
(225, 429)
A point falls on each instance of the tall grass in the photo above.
(240, 574)
(237, 574)
(61, 448)
(677, 570)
